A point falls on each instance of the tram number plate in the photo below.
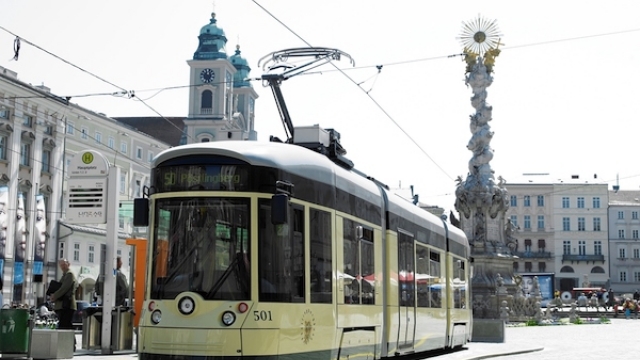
(262, 315)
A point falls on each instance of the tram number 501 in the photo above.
(262, 315)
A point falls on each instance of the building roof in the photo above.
(624, 197)
(165, 129)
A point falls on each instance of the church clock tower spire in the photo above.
(221, 99)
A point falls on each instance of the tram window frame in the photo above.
(435, 270)
(321, 256)
(358, 241)
(406, 265)
(281, 270)
(459, 288)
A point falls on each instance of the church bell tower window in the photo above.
(206, 103)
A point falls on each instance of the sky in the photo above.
(564, 93)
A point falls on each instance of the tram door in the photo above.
(406, 280)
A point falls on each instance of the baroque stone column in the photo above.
(480, 201)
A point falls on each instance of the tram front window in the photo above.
(201, 245)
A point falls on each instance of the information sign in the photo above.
(87, 189)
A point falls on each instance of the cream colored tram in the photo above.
(271, 250)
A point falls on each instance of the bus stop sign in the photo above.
(87, 189)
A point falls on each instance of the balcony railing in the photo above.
(578, 258)
(533, 254)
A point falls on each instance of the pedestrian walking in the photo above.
(65, 298)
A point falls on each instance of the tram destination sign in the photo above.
(201, 177)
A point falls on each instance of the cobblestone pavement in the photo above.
(619, 339)
(556, 342)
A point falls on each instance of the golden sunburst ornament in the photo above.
(479, 35)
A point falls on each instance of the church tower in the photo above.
(221, 99)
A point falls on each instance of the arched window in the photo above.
(597, 270)
(206, 102)
(566, 269)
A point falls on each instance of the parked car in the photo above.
(77, 315)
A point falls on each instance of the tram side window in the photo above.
(321, 258)
(459, 284)
(406, 275)
(435, 271)
(424, 279)
(358, 268)
(281, 256)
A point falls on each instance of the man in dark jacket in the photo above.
(65, 298)
(122, 289)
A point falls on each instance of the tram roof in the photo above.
(309, 164)
(295, 159)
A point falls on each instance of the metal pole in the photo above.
(109, 288)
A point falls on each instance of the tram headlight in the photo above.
(186, 305)
(156, 316)
(228, 318)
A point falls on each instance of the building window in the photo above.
(123, 182)
(542, 266)
(3, 147)
(623, 276)
(139, 153)
(596, 203)
(597, 247)
(92, 254)
(25, 154)
(636, 276)
(515, 266)
(137, 191)
(46, 161)
(123, 147)
(622, 252)
(621, 234)
(634, 215)
(527, 266)
(121, 221)
(48, 130)
(111, 142)
(27, 121)
(76, 252)
(98, 137)
(582, 225)
(541, 245)
(566, 224)
(580, 202)
(634, 234)
(582, 247)
(514, 220)
(541, 222)
(70, 128)
(206, 102)
(566, 247)
(565, 202)
(527, 245)
(636, 253)
(540, 200)
(620, 215)
(150, 157)
(527, 222)
(4, 113)
(596, 224)
(61, 251)
(527, 201)
(514, 201)
(84, 135)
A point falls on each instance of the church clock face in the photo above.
(207, 75)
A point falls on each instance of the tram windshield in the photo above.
(201, 245)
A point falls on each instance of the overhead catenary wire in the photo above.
(367, 93)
